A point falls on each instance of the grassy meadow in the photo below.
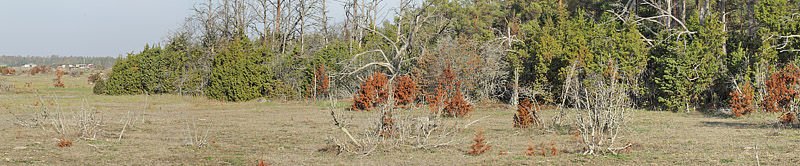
(168, 130)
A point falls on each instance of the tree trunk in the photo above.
(515, 93)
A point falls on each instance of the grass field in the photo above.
(294, 132)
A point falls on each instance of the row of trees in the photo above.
(668, 55)
(55, 60)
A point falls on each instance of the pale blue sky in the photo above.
(94, 27)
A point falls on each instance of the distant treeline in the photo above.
(54, 60)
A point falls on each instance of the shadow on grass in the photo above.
(737, 125)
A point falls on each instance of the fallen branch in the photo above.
(341, 126)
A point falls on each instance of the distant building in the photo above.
(29, 65)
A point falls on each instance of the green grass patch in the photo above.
(326, 104)
(726, 160)
(237, 161)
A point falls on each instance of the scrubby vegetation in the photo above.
(426, 78)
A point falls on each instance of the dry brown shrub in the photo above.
(405, 90)
(531, 150)
(387, 125)
(372, 92)
(457, 106)
(781, 91)
(8, 71)
(64, 143)
(453, 105)
(59, 74)
(322, 81)
(786, 118)
(437, 99)
(742, 100)
(526, 114)
(480, 146)
(94, 77)
(543, 150)
(39, 69)
(261, 162)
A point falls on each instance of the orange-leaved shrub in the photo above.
(453, 105)
(742, 100)
(39, 69)
(372, 92)
(8, 71)
(480, 146)
(64, 143)
(457, 106)
(58, 83)
(405, 90)
(542, 150)
(781, 91)
(322, 80)
(526, 114)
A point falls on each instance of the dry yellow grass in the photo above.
(294, 132)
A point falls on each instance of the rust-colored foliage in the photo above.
(454, 105)
(373, 91)
(8, 71)
(405, 90)
(322, 80)
(94, 77)
(435, 100)
(39, 69)
(526, 114)
(628, 147)
(262, 163)
(787, 118)
(457, 106)
(480, 146)
(780, 89)
(741, 101)
(58, 83)
(531, 151)
(387, 125)
(542, 150)
(64, 143)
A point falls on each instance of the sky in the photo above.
(97, 28)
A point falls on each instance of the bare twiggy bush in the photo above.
(83, 124)
(601, 103)
(396, 131)
(194, 135)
